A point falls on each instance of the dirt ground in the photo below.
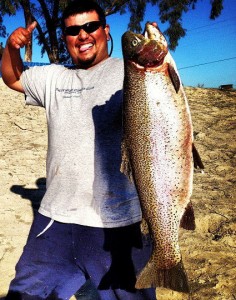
(209, 252)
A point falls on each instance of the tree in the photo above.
(47, 13)
(28, 21)
(1, 50)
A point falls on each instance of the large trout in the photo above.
(157, 152)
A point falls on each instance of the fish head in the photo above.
(146, 50)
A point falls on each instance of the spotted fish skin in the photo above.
(157, 152)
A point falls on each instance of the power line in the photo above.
(207, 63)
(209, 25)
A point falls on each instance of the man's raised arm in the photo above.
(12, 66)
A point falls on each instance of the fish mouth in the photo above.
(147, 50)
(149, 65)
(155, 48)
(152, 32)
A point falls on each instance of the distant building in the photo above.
(226, 87)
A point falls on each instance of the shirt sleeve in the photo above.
(34, 81)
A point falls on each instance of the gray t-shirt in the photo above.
(84, 115)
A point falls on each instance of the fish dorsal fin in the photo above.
(174, 77)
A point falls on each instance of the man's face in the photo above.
(87, 49)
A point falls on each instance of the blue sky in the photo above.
(205, 56)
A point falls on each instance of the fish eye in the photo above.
(134, 42)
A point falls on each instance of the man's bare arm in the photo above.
(12, 65)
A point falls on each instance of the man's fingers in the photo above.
(21, 36)
(31, 27)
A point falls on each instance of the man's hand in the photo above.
(12, 66)
(21, 36)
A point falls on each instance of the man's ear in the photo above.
(107, 31)
(63, 38)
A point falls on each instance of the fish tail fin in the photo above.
(188, 220)
(174, 278)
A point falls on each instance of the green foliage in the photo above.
(217, 6)
(171, 11)
(137, 10)
(9, 7)
(2, 28)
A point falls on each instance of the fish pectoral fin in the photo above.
(197, 159)
(125, 163)
(174, 279)
(188, 220)
(174, 77)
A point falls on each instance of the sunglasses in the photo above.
(87, 27)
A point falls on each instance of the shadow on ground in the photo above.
(33, 195)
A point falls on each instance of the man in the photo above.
(87, 231)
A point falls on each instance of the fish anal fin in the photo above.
(144, 227)
(125, 163)
(174, 279)
(197, 159)
(188, 220)
(174, 77)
